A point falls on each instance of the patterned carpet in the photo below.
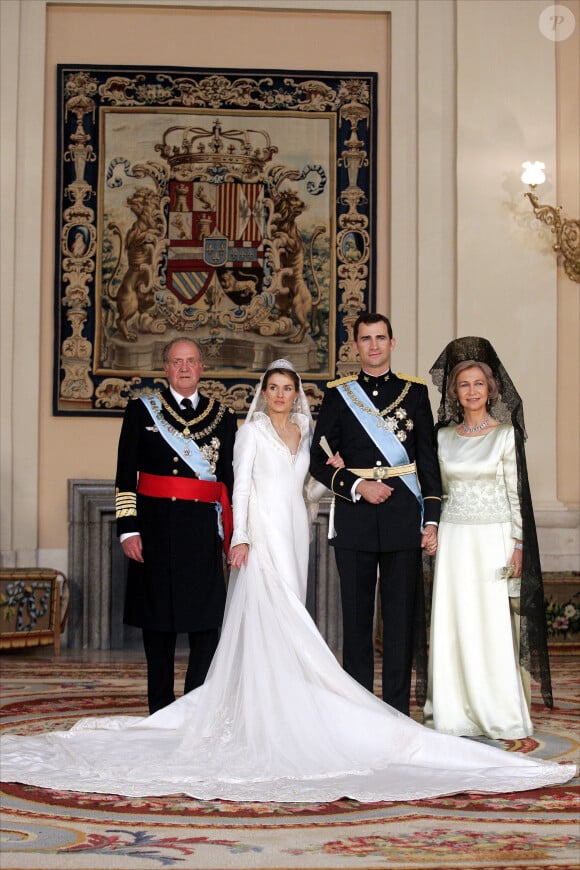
(43, 829)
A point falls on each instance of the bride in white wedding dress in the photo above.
(277, 718)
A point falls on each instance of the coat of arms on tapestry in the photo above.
(236, 208)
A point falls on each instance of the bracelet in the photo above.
(518, 546)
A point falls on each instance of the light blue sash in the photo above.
(186, 448)
(386, 440)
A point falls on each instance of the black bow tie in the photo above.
(186, 405)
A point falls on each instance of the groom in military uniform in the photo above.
(173, 490)
(387, 504)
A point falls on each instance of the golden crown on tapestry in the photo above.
(195, 151)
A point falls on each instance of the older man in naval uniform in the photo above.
(173, 492)
(387, 504)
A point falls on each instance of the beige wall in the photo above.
(507, 281)
(462, 253)
(568, 195)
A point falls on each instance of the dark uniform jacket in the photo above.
(180, 586)
(395, 524)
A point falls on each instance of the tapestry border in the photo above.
(86, 320)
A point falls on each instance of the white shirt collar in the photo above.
(179, 399)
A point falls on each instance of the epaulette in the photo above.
(411, 378)
(346, 380)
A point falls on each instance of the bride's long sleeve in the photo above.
(244, 455)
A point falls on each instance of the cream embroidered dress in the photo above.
(277, 718)
(475, 683)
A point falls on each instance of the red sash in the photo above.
(190, 489)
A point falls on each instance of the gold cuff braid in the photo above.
(125, 504)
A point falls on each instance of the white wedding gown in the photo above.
(277, 718)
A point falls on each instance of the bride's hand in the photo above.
(336, 461)
(238, 556)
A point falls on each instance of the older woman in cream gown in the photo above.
(482, 648)
(277, 718)
(475, 683)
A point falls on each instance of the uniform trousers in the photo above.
(160, 655)
(397, 577)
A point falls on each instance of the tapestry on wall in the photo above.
(233, 207)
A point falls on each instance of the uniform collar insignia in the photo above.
(371, 379)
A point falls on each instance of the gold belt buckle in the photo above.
(380, 472)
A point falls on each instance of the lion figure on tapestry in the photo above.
(293, 296)
(141, 246)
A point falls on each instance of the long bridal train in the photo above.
(277, 718)
(280, 721)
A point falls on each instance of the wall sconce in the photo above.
(567, 231)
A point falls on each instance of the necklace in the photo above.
(481, 426)
(186, 432)
(186, 423)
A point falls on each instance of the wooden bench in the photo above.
(33, 607)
